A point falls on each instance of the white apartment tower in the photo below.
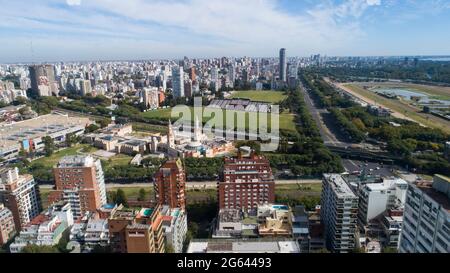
(339, 207)
(376, 198)
(150, 97)
(178, 82)
(426, 219)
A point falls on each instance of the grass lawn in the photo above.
(119, 159)
(145, 128)
(293, 191)
(163, 114)
(263, 96)
(50, 161)
(435, 92)
(286, 119)
(133, 193)
(403, 108)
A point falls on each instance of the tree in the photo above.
(104, 122)
(169, 248)
(142, 195)
(121, 198)
(49, 145)
(389, 250)
(71, 139)
(91, 128)
(39, 249)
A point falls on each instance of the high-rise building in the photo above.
(20, 194)
(178, 82)
(232, 75)
(170, 185)
(79, 180)
(188, 88)
(85, 87)
(339, 208)
(246, 182)
(7, 226)
(192, 74)
(150, 97)
(43, 80)
(426, 219)
(283, 65)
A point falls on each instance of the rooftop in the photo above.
(11, 134)
(76, 161)
(340, 187)
(437, 196)
(240, 246)
(230, 215)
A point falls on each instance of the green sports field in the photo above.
(263, 96)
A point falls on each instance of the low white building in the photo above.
(97, 232)
(376, 198)
(174, 223)
(243, 246)
(46, 229)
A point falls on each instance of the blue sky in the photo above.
(63, 30)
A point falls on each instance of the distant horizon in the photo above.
(221, 56)
(70, 30)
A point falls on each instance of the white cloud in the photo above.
(373, 2)
(73, 2)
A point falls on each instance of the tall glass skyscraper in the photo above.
(178, 82)
(283, 65)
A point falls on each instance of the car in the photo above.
(378, 168)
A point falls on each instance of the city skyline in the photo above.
(71, 30)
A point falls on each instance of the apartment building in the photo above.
(376, 198)
(79, 180)
(174, 224)
(246, 182)
(140, 238)
(426, 219)
(300, 227)
(45, 229)
(117, 225)
(134, 231)
(20, 194)
(7, 227)
(339, 207)
(170, 183)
